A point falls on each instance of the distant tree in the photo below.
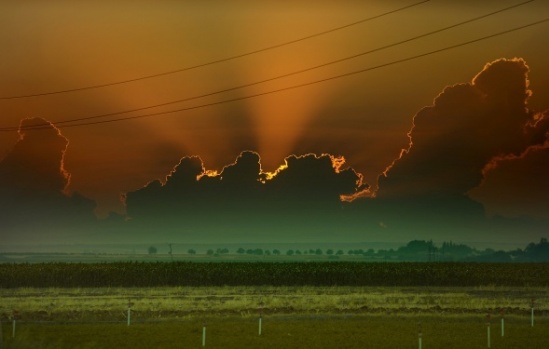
(152, 250)
(350, 252)
(488, 251)
(249, 251)
(329, 252)
(538, 252)
(241, 251)
(170, 251)
(267, 252)
(210, 252)
(298, 252)
(450, 250)
(501, 256)
(318, 251)
(311, 251)
(276, 252)
(191, 251)
(290, 252)
(339, 252)
(516, 254)
(258, 251)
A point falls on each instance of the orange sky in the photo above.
(64, 44)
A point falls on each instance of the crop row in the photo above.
(143, 274)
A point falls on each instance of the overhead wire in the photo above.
(339, 76)
(417, 37)
(221, 60)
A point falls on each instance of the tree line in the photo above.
(415, 250)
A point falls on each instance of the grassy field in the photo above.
(292, 317)
(357, 331)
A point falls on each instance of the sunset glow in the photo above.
(273, 121)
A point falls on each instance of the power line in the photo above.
(221, 60)
(296, 72)
(447, 48)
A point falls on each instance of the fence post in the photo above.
(261, 304)
(15, 315)
(532, 318)
(488, 329)
(419, 336)
(502, 311)
(204, 335)
(129, 312)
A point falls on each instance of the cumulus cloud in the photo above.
(35, 164)
(243, 196)
(315, 179)
(469, 126)
(33, 181)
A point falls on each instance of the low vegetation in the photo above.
(139, 274)
(176, 303)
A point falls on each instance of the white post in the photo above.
(419, 336)
(260, 313)
(502, 327)
(532, 319)
(488, 329)
(13, 328)
(502, 313)
(204, 336)
(129, 315)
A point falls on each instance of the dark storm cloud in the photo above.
(468, 126)
(315, 178)
(35, 164)
(33, 182)
(242, 194)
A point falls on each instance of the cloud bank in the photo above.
(464, 133)
(33, 181)
(244, 198)
(471, 130)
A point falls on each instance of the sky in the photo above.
(442, 145)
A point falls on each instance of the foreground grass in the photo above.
(351, 331)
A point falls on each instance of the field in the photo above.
(293, 316)
(361, 331)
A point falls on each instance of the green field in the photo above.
(303, 305)
(358, 331)
(292, 317)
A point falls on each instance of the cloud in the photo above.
(242, 197)
(35, 164)
(33, 183)
(469, 126)
(316, 179)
